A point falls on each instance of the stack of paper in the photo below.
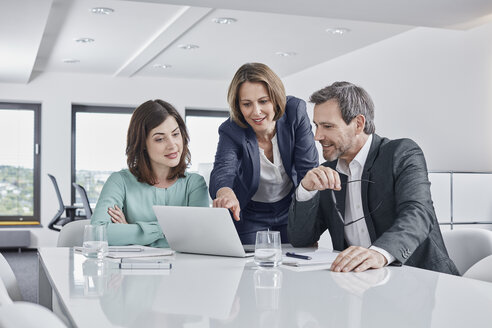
(133, 251)
(320, 259)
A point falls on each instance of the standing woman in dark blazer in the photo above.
(264, 151)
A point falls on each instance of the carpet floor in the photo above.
(25, 267)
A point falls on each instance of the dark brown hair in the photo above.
(352, 101)
(146, 117)
(260, 73)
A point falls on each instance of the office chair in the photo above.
(85, 200)
(24, 314)
(72, 234)
(482, 270)
(467, 246)
(58, 221)
(9, 280)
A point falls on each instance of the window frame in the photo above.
(224, 113)
(36, 217)
(80, 108)
(206, 112)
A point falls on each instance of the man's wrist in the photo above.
(303, 195)
(389, 258)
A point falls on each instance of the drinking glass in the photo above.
(268, 249)
(95, 241)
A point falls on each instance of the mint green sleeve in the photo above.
(138, 233)
(197, 192)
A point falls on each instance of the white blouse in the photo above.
(274, 184)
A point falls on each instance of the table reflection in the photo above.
(206, 291)
(88, 276)
(194, 291)
(267, 288)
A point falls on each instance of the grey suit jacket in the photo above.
(404, 224)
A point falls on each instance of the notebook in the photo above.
(200, 230)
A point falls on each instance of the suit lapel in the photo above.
(284, 145)
(254, 155)
(366, 175)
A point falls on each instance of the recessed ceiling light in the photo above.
(162, 66)
(188, 46)
(285, 54)
(338, 30)
(84, 40)
(102, 10)
(224, 20)
(71, 61)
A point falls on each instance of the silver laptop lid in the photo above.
(200, 230)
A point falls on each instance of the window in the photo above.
(19, 163)
(203, 127)
(98, 146)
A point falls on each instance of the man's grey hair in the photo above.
(352, 100)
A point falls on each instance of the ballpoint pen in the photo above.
(298, 256)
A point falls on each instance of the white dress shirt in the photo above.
(356, 234)
(274, 184)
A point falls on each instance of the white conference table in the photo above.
(212, 291)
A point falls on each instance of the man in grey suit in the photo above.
(372, 193)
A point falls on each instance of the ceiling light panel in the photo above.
(224, 20)
(120, 35)
(338, 30)
(84, 40)
(188, 46)
(70, 61)
(286, 54)
(161, 66)
(257, 37)
(102, 10)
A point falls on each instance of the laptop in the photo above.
(201, 230)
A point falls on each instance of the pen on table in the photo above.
(298, 256)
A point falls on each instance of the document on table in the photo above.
(132, 251)
(320, 257)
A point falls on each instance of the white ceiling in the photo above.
(37, 35)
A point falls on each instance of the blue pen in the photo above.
(298, 256)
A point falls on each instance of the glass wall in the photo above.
(98, 146)
(19, 162)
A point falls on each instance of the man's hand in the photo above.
(358, 259)
(226, 198)
(321, 178)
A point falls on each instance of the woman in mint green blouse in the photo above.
(157, 156)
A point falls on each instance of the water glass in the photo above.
(268, 249)
(95, 241)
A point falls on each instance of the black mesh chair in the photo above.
(85, 200)
(70, 211)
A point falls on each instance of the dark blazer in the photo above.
(404, 224)
(237, 160)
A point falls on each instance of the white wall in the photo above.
(57, 92)
(432, 85)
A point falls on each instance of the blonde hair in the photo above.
(256, 73)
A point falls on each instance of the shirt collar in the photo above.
(361, 157)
